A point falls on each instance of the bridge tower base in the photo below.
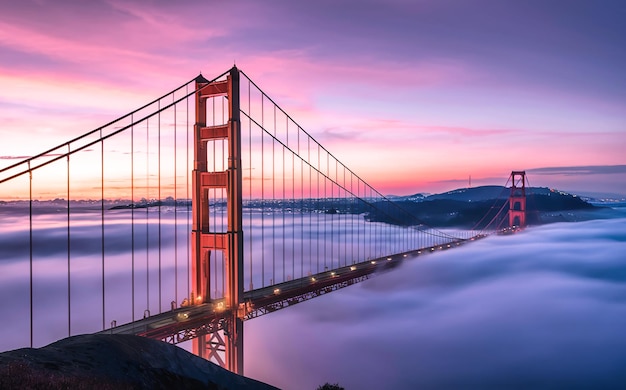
(226, 347)
(517, 200)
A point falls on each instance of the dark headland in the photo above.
(115, 362)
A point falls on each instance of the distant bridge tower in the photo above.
(205, 240)
(517, 199)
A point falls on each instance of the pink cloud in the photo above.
(292, 73)
(449, 115)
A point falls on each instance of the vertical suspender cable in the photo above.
(262, 194)
(340, 220)
(223, 197)
(102, 218)
(375, 225)
(367, 225)
(350, 232)
(188, 202)
(283, 200)
(340, 200)
(175, 209)
(250, 187)
(212, 209)
(330, 210)
(30, 247)
(337, 201)
(318, 202)
(132, 215)
(301, 213)
(147, 216)
(325, 210)
(358, 221)
(69, 295)
(365, 222)
(370, 224)
(344, 231)
(336, 242)
(377, 230)
(274, 202)
(310, 209)
(159, 191)
(293, 208)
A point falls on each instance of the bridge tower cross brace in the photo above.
(204, 240)
(517, 199)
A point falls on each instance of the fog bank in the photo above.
(543, 308)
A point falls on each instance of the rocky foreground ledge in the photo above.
(115, 362)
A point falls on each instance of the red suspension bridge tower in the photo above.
(205, 240)
(517, 199)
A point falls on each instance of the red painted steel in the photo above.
(230, 243)
(517, 200)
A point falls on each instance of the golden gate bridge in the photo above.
(269, 217)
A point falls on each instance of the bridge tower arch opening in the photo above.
(517, 199)
(225, 348)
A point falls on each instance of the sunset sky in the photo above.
(414, 96)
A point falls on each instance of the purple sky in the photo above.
(415, 96)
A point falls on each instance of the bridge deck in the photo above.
(187, 322)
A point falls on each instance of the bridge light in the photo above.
(405, 255)
(419, 252)
(199, 299)
(352, 268)
(312, 279)
(373, 261)
(220, 306)
(388, 258)
(332, 274)
(276, 291)
(449, 245)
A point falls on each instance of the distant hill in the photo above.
(467, 207)
(475, 194)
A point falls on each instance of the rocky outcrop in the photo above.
(115, 362)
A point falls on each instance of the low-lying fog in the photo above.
(543, 308)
